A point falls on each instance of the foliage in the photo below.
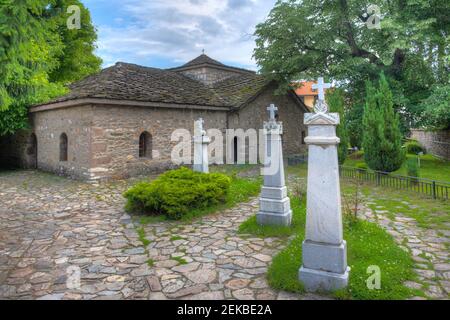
(305, 39)
(368, 244)
(33, 52)
(382, 136)
(175, 192)
(412, 166)
(437, 108)
(76, 59)
(414, 147)
(250, 226)
(354, 125)
(335, 100)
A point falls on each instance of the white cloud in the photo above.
(179, 30)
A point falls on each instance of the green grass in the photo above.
(250, 226)
(428, 213)
(368, 244)
(174, 238)
(150, 262)
(142, 238)
(430, 167)
(241, 189)
(180, 260)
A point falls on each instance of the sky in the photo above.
(168, 33)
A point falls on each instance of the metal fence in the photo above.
(432, 188)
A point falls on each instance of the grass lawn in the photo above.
(427, 212)
(241, 189)
(430, 167)
(368, 244)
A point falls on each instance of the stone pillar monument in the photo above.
(324, 250)
(274, 204)
(201, 142)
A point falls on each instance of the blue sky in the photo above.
(168, 33)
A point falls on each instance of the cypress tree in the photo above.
(382, 136)
(335, 100)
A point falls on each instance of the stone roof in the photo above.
(202, 59)
(125, 81)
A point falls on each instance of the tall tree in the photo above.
(304, 39)
(336, 102)
(77, 59)
(382, 139)
(33, 64)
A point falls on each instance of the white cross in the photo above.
(272, 110)
(320, 86)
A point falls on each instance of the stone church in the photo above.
(109, 123)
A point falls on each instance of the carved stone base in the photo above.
(274, 219)
(322, 281)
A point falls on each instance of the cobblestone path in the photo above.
(428, 247)
(53, 228)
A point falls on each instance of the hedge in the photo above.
(176, 192)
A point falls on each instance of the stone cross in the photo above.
(324, 249)
(201, 141)
(272, 109)
(320, 86)
(274, 204)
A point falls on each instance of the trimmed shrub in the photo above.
(414, 147)
(176, 192)
(412, 167)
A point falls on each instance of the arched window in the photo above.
(145, 145)
(63, 147)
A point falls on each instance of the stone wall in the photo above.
(435, 142)
(289, 112)
(116, 131)
(103, 140)
(208, 76)
(18, 150)
(76, 123)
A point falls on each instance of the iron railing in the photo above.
(433, 188)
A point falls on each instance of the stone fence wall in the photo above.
(435, 142)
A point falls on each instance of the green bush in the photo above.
(176, 192)
(361, 165)
(412, 167)
(414, 147)
(358, 155)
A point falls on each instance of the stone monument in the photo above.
(201, 142)
(274, 204)
(324, 250)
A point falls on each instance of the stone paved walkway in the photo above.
(428, 247)
(51, 228)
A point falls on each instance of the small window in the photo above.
(145, 145)
(63, 147)
(303, 137)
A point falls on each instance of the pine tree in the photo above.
(382, 136)
(335, 100)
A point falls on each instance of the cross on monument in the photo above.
(272, 110)
(320, 86)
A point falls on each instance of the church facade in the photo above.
(119, 122)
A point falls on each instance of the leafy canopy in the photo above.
(305, 39)
(39, 55)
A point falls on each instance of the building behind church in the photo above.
(118, 123)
